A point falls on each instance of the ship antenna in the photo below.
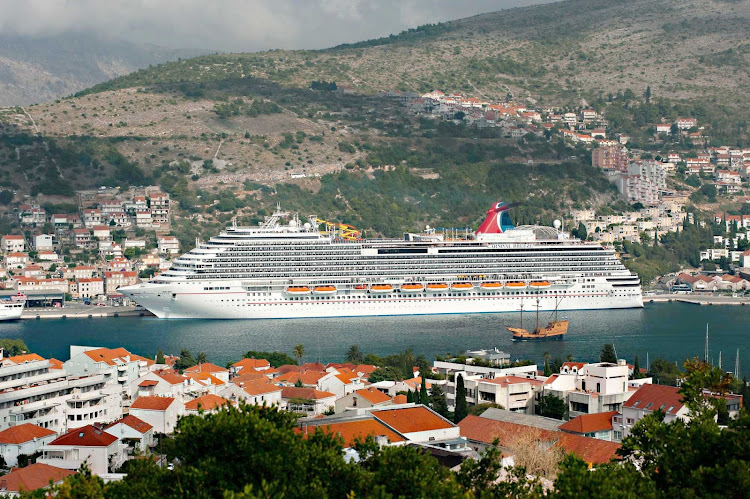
(521, 313)
(737, 365)
(705, 353)
(719, 359)
(537, 315)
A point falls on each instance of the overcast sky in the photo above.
(236, 25)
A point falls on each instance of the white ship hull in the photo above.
(290, 271)
(11, 312)
(238, 305)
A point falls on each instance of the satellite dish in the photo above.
(307, 225)
(557, 224)
(292, 223)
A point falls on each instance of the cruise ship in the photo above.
(284, 268)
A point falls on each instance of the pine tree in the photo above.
(424, 398)
(409, 396)
(160, 357)
(437, 401)
(461, 408)
(608, 354)
(636, 368)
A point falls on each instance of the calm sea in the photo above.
(671, 330)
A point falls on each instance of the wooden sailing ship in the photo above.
(555, 329)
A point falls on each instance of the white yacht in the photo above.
(12, 308)
(287, 269)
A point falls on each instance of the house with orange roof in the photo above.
(341, 383)
(515, 393)
(309, 379)
(208, 380)
(91, 445)
(591, 425)
(251, 364)
(206, 403)
(161, 413)
(363, 399)
(207, 367)
(417, 423)
(306, 401)
(33, 477)
(130, 429)
(25, 438)
(119, 366)
(21, 359)
(481, 433)
(646, 400)
(352, 431)
(255, 392)
(167, 383)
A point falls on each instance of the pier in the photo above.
(77, 311)
(696, 299)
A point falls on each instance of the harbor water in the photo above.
(674, 331)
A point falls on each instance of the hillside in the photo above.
(237, 133)
(40, 69)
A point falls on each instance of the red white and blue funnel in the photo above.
(497, 220)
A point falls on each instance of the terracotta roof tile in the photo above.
(652, 397)
(260, 387)
(589, 423)
(170, 377)
(88, 436)
(412, 419)
(111, 356)
(249, 377)
(207, 402)
(23, 433)
(34, 476)
(206, 368)
(486, 430)
(399, 399)
(373, 395)
(306, 377)
(512, 380)
(251, 364)
(137, 424)
(152, 403)
(55, 364)
(351, 431)
(29, 357)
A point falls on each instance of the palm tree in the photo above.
(299, 352)
(201, 358)
(354, 355)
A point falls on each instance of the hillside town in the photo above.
(112, 240)
(104, 406)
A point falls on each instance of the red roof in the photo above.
(88, 436)
(486, 430)
(252, 363)
(207, 402)
(653, 397)
(589, 423)
(110, 355)
(306, 378)
(511, 380)
(260, 387)
(34, 476)
(206, 367)
(351, 431)
(152, 403)
(373, 395)
(28, 357)
(148, 382)
(170, 377)
(412, 419)
(137, 424)
(23, 433)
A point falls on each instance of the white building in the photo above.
(132, 429)
(25, 438)
(99, 450)
(12, 243)
(168, 245)
(645, 401)
(161, 413)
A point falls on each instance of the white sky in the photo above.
(236, 25)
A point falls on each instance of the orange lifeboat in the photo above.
(491, 285)
(324, 290)
(437, 287)
(298, 290)
(411, 288)
(462, 286)
(360, 287)
(515, 285)
(539, 284)
(381, 289)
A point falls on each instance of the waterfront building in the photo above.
(133, 431)
(364, 398)
(306, 401)
(119, 367)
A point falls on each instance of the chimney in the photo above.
(3, 485)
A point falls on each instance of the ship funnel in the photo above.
(497, 219)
